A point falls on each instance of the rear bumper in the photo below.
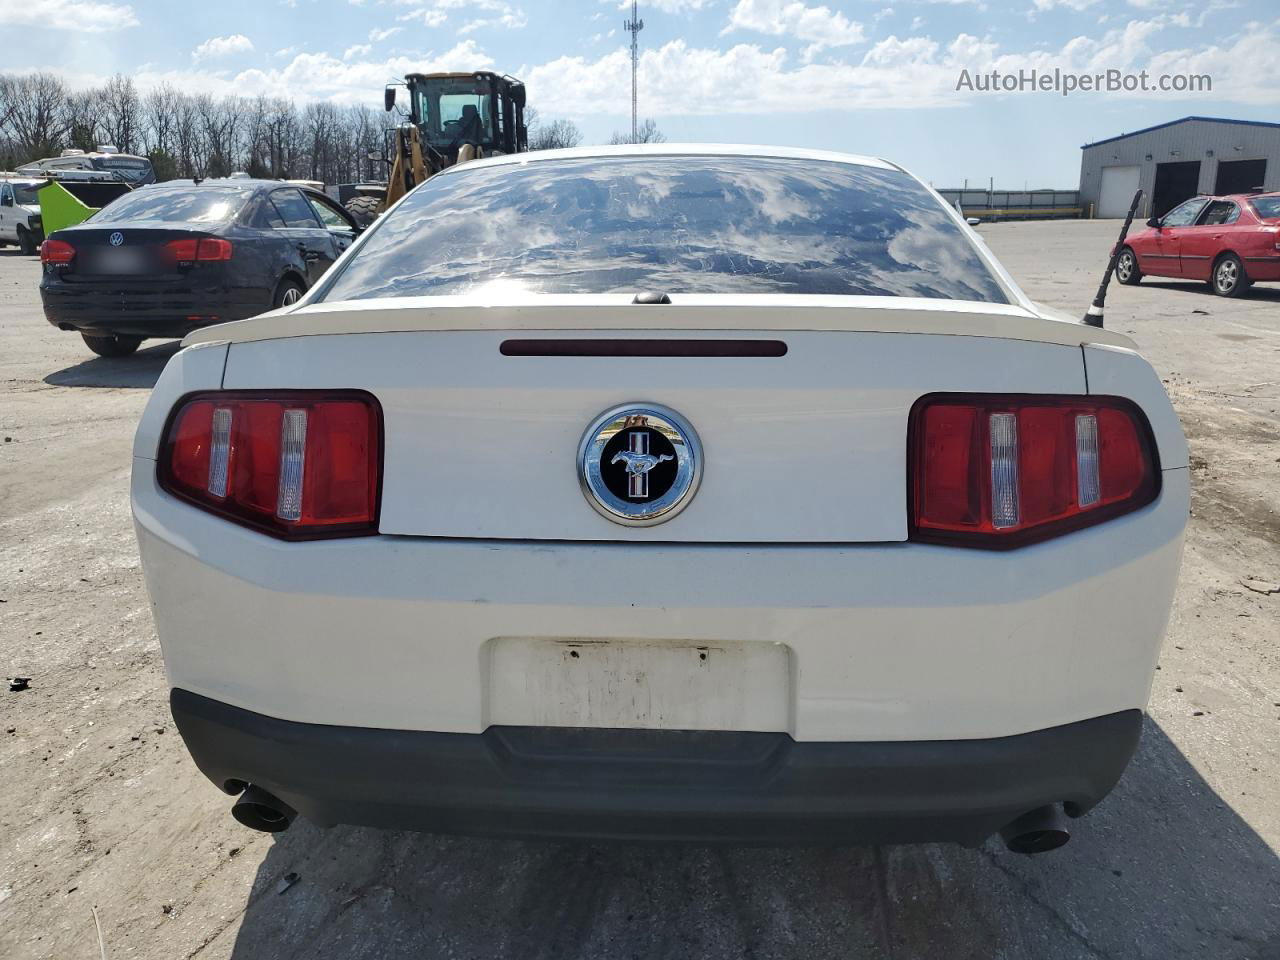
(686, 785)
(1262, 268)
(901, 642)
(155, 310)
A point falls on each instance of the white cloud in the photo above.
(323, 76)
(83, 16)
(427, 17)
(819, 27)
(377, 36)
(222, 47)
(679, 80)
(1068, 4)
(359, 50)
(509, 20)
(667, 6)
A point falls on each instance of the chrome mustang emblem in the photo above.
(640, 464)
(639, 461)
(116, 239)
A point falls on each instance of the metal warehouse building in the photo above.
(1176, 160)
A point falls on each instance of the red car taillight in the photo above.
(296, 464)
(1003, 471)
(199, 249)
(57, 252)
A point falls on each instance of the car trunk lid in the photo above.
(109, 251)
(807, 443)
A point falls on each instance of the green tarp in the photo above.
(64, 203)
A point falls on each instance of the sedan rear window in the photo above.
(186, 204)
(670, 224)
(1268, 207)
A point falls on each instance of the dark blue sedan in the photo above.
(173, 257)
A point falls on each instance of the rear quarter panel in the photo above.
(1116, 372)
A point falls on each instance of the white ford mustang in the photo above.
(689, 492)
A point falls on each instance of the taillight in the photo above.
(198, 249)
(297, 464)
(57, 252)
(1003, 471)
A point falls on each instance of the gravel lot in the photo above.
(100, 808)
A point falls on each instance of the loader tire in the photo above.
(364, 210)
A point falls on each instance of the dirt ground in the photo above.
(102, 811)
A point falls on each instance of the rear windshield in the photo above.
(1268, 207)
(670, 224)
(187, 204)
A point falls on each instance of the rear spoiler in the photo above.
(686, 313)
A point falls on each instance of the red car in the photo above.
(1228, 242)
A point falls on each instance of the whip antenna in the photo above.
(1093, 316)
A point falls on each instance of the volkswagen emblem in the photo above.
(116, 239)
(639, 464)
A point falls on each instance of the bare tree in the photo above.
(554, 135)
(121, 120)
(647, 132)
(6, 102)
(320, 121)
(189, 135)
(255, 141)
(37, 115)
(159, 112)
(219, 123)
(188, 139)
(283, 132)
(367, 137)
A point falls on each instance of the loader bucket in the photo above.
(64, 203)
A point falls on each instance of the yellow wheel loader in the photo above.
(453, 118)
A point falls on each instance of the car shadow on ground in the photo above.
(1163, 869)
(1266, 294)
(140, 370)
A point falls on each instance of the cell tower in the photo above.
(633, 27)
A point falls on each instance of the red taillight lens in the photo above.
(1004, 471)
(202, 249)
(295, 464)
(57, 252)
(213, 248)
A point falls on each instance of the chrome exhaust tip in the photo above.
(259, 810)
(1037, 831)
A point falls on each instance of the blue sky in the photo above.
(867, 77)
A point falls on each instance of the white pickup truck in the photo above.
(20, 213)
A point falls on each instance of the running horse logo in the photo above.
(638, 461)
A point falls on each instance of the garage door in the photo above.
(1118, 187)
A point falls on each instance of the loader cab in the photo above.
(482, 109)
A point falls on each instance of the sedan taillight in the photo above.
(199, 249)
(296, 464)
(1003, 471)
(57, 252)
